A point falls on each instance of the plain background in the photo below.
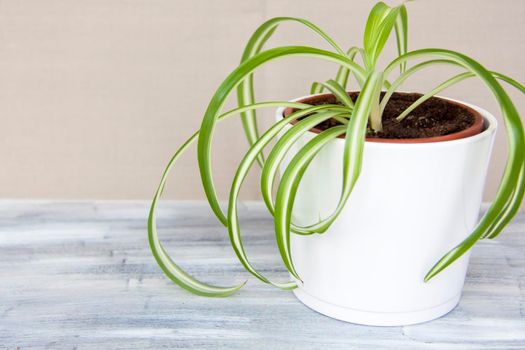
(96, 95)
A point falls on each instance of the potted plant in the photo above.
(377, 205)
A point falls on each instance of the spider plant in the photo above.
(357, 119)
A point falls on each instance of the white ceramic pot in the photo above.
(411, 204)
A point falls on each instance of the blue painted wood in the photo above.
(79, 275)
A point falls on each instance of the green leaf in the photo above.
(288, 189)
(343, 73)
(170, 268)
(245, 93)
(383, 33)
(452, 81)
(516, 152)
(401, 28)
(405, 75)
(339, 92)
(375, 18)
(316, 88)
(381, 21)
(511, 208)
(513, 205)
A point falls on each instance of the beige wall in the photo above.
(96, 95)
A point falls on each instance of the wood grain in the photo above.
(79, 275)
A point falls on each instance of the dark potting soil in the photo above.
(435, 117)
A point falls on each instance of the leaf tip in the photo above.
(430, 274)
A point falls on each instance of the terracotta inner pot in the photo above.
(477, 127)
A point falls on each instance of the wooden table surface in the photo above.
(79, 275)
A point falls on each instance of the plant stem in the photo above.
(375, 114)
